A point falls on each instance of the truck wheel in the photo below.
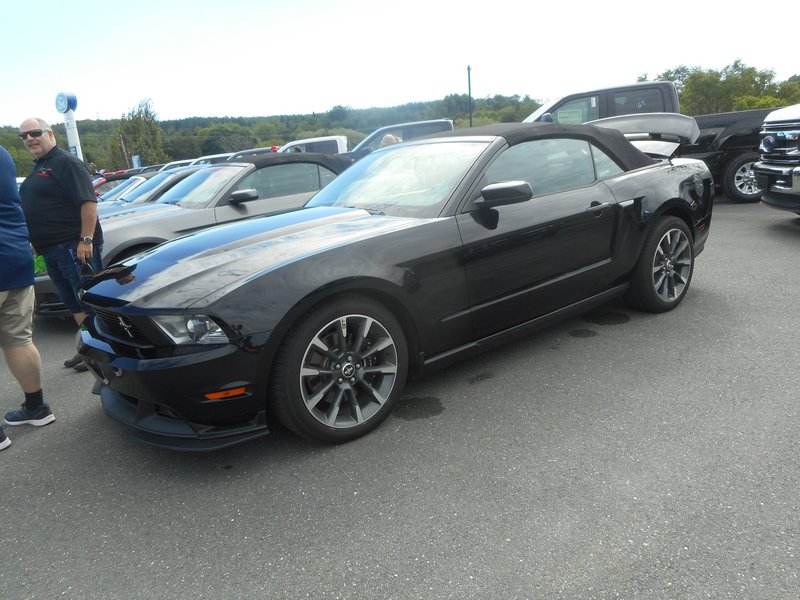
(739, 181)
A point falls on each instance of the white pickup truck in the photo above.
(331, 144)
(778, 171)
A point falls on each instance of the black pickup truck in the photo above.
(728, 142)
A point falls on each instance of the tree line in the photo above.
(111, 144)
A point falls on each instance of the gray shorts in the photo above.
(16, 317)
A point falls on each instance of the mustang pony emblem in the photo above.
(126, 326)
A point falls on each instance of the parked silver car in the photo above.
(218, 193)
(148, 191)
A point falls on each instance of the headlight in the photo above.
(191, 329)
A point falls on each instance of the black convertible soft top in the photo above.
(333, 162)
(610, 140)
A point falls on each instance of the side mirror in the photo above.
(505, 192)
(240, 196)
(547, 118)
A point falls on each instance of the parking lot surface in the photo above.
(615, 455)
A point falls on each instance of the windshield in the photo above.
(116, 192)
(200, 188)
(142, 192)
(531, 118)
(405, 181)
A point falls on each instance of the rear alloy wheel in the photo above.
(664, 270)
(340, 370)
(739, 180)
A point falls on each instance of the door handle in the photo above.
(598, 207)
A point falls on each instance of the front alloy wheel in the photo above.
(340, 371)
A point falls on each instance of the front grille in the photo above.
(784, 125)
(120, 327)
(780, 143)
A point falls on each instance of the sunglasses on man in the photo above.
(34, 133)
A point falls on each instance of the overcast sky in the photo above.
(274, 57)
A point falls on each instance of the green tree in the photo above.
(226, 137)
(789, 91)
(183, 143)
(265, 132)
(456, 105)
(741, 80)
(678, 76)
(710, 91)
(22, 158)
(138, 133)
(704, 93)
(337, 116)
(751, 102)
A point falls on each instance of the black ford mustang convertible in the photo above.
(416, 256)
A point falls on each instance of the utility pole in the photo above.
(469, 93)
(124, 152)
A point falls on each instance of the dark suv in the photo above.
(401, 132)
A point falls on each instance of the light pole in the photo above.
(469, 93)
(66, 104)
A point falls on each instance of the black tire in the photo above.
(662, 274)
(739, 181)
(340, 370)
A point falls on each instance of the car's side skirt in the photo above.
(453, 355)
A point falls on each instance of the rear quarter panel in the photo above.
(647, 194)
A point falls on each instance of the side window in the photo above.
(641, 101)
(325, 177)
(548, 165)
(417, 131)
(326, 147)
(283, 180)
(578, 110)
(603, 165)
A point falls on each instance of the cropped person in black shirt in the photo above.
(61, 212)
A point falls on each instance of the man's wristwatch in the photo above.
(87, 239)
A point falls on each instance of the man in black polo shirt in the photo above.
(61, 211)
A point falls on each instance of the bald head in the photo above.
(37, 136)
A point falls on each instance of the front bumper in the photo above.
(780, 185)
(163, 400)
(148, 426)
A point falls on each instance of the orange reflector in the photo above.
(239, 391)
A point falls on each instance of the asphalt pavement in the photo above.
(615, 455)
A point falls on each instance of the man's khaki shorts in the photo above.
(16, 317)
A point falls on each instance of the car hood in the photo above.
(183, 271)
(788, 113)
(117, 207)
(136, 214)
